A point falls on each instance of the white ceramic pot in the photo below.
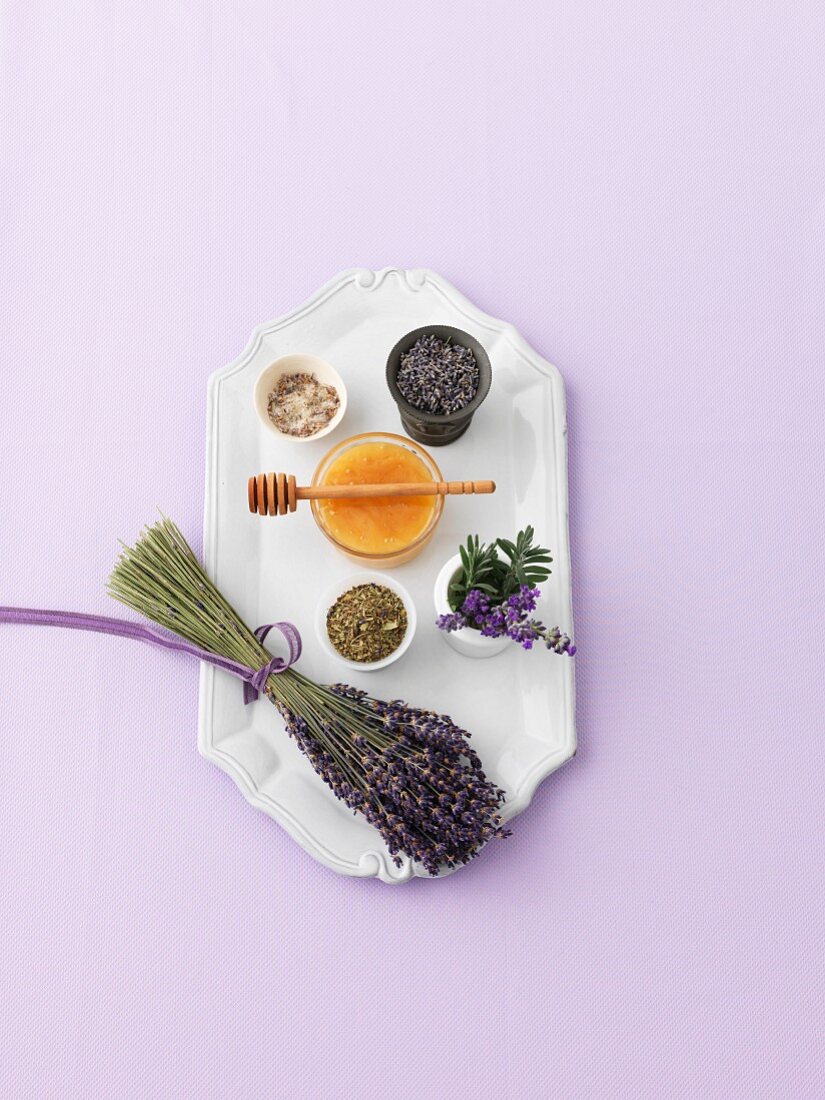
(468, 642)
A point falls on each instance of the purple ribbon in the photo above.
(254, 678)
(257, 683)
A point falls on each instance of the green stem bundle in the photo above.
(410, 772)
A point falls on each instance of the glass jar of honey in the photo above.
(383, 531)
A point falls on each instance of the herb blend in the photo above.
(437, 376)
(300, 405)
(367, 623)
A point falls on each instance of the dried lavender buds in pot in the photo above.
(437, 376)
(301, 406)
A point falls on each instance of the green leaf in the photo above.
(499, 568)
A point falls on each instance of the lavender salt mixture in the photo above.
(300, 405)
(438, 377)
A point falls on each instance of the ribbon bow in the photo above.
(256, 684)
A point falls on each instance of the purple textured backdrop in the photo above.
(638, 186)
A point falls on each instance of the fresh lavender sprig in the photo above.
(511, 617)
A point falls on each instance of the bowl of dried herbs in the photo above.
(366, 621)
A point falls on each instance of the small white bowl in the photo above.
(470, 643)
(344, 585)
(296, 364)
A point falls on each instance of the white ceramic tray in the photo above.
(519, 706)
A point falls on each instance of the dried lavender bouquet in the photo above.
(410, 772)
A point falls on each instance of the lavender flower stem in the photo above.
(510, 617)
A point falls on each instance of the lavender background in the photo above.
(638, 187)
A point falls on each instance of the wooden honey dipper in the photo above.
(274, 494)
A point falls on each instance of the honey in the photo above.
(376, 525)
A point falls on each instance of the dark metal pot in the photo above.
(435, 431)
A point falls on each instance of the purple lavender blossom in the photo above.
(510, 617)
(454, 621)
(410, 772)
